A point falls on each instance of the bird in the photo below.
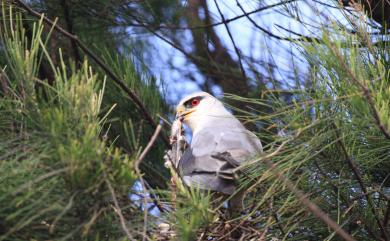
(220, 143)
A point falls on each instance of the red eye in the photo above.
(195, 102)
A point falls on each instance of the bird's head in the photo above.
(200, 108)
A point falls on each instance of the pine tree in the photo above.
(72, 140)
(62, 174)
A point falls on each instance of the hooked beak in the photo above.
(181, 112)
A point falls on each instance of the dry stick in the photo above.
(312, 207)
(118, 209)
(232, 230)
(138, 171)
(149, 145)
(262, 236)
(133, 96)
(232, 39)
(274, 214)
(269, 220)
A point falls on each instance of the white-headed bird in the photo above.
(220, 143)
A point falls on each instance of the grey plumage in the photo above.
(220, 144)
(215, 152)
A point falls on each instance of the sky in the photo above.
(252, 42)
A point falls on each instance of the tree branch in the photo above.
(133, 96)
(312, 207)
(359, 178)
(210, 25)
(69, 25)
(269, 33)
(232, 39)
(138, 171)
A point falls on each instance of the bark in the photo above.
(69, 25)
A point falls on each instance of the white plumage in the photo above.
(220, 143)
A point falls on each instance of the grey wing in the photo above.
(214, 153)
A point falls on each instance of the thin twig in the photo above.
(160, 36)
(154, 198)
(371, 103)
(148, 146)
(359, 178)
(335, 188)
(302, 37)
(312, 207)
(205, 26)
(118, 209)
(138, 171)
(274, 214)
(269, 33)
(232, 39)
(337, 192)
(133, 96)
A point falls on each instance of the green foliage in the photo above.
(54, 162)
(128, 128)
(332, 144)
(192, 213)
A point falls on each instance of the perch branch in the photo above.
(138, 171)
